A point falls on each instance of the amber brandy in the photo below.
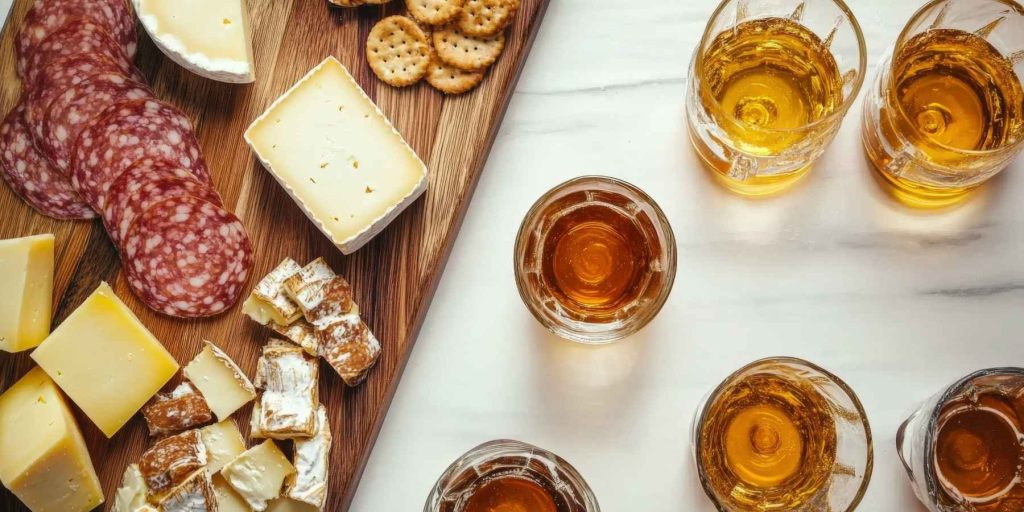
(514, 493)
(768, 443)
(979, 453)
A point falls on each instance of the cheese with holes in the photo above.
(258, 474)
(26, 271)
(338, 156)
(222, 383)
(43, 458)
(211, 38)
(105, 360)
(223, 443)
(131, 495)
(309, 482)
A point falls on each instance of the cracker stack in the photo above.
(463, 38)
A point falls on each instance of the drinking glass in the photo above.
(946, 112)
(917, 443)
(769, 86)
(782, 434)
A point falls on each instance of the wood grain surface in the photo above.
(394, 276)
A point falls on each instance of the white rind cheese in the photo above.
(309, 482)
(210, 38)
(131, 496)
(338, 156)
(258, 474)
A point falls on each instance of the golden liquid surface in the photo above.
(510, 494)
(595, 259)
(979, 453)
(765, 80)
(768, 443)
(951, 93)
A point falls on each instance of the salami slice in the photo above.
(186, 257)
(146, 183)
(78, 36)
(48, 16)
(29, 175)
(127, 134)
(58, 76)
(69, 113)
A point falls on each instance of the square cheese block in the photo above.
(258, 474)
(106, 360)
(43, 458)
(227, 499)
(223, 443)
(222, 383)
(26, 271)
(210, 38)
(338, 156)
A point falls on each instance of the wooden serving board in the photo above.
(394, 277)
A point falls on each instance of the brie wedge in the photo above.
(338, 156)
(210, 38)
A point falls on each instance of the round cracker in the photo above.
(434, 12)
(450, 79)
(398, 51)
(485, 18)
(466, 52)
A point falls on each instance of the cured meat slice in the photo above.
(70, 112)
(48, 16)
(31, 177)
(58, 76)
(126, 134)
(187, 257)
(78, 36)
(146, 183)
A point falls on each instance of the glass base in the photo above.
(916, 195)
(754, 186)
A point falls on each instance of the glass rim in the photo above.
(931, 481)
(839, 113)
(891, 68)
(643, 317)
(717, 391)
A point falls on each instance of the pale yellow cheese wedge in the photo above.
(43, 458)
(26, 271)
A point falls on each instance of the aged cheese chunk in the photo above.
(227, 499)
(223, 443)
(300, 333)
(309, 482)
(210, 38)
(195, 494)
(287, 408)
(338, 156)
(106, 361)
(257, 474)
(171, 460)
(43, 458)
(289, 505)
(269, 302)
(131, 496)
(304, 287)
(222, 383)
(349, 347)
(181, 409)
(26, 271)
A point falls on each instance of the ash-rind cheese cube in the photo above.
(338, 156)
(105, 360)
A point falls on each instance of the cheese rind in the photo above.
(105, 360)
(309, 482)
(131, 495)
(258, 474)
(289, 379)
(26, 271)
(195, 494)
(338, 156)
(211, 38)
(223, 384)
(44, 460)
(181, 409)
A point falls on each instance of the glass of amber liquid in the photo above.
(964, 448)
(510, 476)
(769, 86)
(783, 434)
(595, 259)
(947, 110)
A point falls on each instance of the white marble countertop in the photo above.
(898, 303)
